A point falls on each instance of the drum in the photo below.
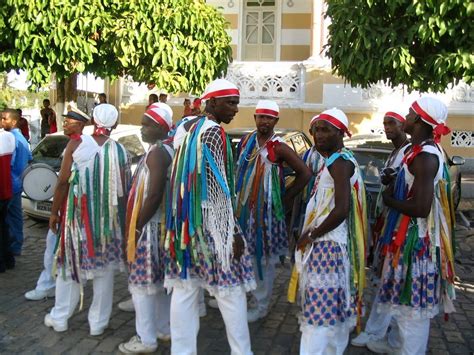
(39, 181)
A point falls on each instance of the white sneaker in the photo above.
(254, 315)
(213, 303)
(163, 337)
(381, 347)
(49, 322)
(127, 306)
(135, 346)
(36, 295)
(362, 339)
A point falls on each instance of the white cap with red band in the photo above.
(433, 112)
(393, 114)
(268, 108)
(335, 117)
(160, 116)
(220, 88)
(163, 106)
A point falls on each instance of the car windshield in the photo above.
(371, 163)
(49, 151)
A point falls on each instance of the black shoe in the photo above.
(2, 267)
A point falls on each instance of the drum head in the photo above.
(39, 181)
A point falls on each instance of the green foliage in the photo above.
(11, 97)
(424, 45)
(180, 45)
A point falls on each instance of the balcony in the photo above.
(279, 81)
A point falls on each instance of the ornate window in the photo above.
(259, 42)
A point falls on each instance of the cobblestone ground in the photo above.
(22, 329)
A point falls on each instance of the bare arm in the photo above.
(424, 168)
(303, 174)
(341, 171)
(63, 184)
(158, 162)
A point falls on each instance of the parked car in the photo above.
(50, 151)
(371, 152)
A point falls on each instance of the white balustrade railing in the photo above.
(279, 81)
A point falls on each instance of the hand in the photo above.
(54, 222)
(238, 246)
(387, 193)
(304, 240)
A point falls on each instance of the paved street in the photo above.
(22, 330)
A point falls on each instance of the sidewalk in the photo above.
(22, 330)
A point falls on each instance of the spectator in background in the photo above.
(21, 158)
(163, 98)
(153, 98)
(196, 110)
(23, 125)
(102, 98)
(7, 146)
(48, 117)
(187, 108)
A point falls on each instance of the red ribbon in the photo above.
(395, 115)
(271, 150)
(267, 112)
(221, 93)
(101, 131)
(335, 122)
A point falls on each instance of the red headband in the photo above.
(335, 122)
(157, 118)
(221, 93)
(266, 111)
(439, 129)
(395, 115)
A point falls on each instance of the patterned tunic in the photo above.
(147, 264)
(200, 219)
(91, 235)
(418, 270)
(260, 188)
(332, 270)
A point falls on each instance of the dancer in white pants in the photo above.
(92, 186)
(205, 245)
(331, 282)
(145, 245)
(46, 283)
(261, 197)
(418, 261)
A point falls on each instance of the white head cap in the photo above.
(267, 107)
(105, 115)
(160, 116)
(433, 112)
(163, 106)
(220, 88)
(335, 117)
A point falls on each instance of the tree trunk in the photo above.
(66, 92)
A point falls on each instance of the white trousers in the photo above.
(378, 323)
(324, 340)
(68, 294)
(46, 279)
(263, 292)
(152, 315)
(185, 321)
(414, 334)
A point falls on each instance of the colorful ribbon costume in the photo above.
(418, 271)
(260, 187)
(146, 256)
(332, 270)
(200, 219)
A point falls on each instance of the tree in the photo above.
(424, 45)
(180, 45)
